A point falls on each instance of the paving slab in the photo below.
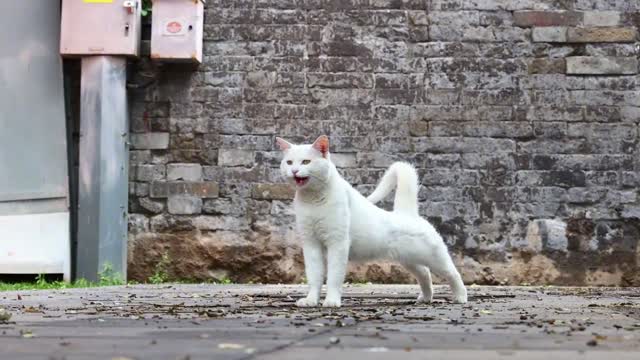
(377, 322)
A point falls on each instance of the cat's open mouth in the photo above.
(300, 180)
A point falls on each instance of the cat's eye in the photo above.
(289, 162)
(306, 162)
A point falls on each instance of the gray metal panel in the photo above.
(103, 173)
(33, 159)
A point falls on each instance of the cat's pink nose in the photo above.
(294, 171)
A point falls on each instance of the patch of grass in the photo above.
(224, 281)
(41, 283)
(107, 277)
(161, 275)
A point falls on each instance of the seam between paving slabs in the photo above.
(289, 344)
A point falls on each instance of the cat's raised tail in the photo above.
(403, 178)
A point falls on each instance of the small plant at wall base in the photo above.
(108, 277)
(161, 275)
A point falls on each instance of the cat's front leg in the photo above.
(337, 260)
(314, 269)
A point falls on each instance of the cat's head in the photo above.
(305, 165)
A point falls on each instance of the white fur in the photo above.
(338, 224)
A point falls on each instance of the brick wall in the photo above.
(520, 115)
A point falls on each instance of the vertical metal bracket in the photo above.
(103, 169)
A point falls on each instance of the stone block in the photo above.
(547, 234)
(150, 172)
(151, 141)
(589, 65)
(551, 34)
(344, 160)
(235, 157)
(233, 223)
(547, 66)
(154, 207)
(184, 205)
(547, 18)
(185, 172)
(601, 18)
(601, 35)
(272, 192)
(206, 189)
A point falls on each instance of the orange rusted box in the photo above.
(100, 27)
(176, 30)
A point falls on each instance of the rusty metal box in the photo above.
(100, 27)
(176, 30)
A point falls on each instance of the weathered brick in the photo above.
(184, 205)
(547, 66)
(162, 189)
(151, 206)
(611, 132)
(235, 223)
(225, 206)
(343, 160)
(547, 234)
(336, 81)
(551, 34)
(150, 141)
(601, 18)
(547, 18)
(150, 172)
(139, 156)
(233, 157)
(272, 191)
(137, 224)
(463, 145)
(604, 34)
(561, 178)
(446, 177)
(606, 5)
(186, 172)
(601, 65)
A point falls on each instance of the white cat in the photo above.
(337, 223)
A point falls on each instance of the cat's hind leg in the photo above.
(423, 275)
(441, 264)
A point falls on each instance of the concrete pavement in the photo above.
(376, 322)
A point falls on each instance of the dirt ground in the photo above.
(376, 321)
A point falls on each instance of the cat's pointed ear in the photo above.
(322, 144)
(283, 144)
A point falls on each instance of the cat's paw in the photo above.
(307, 302)
(332, 302)
(424, 299)
(460, 299)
